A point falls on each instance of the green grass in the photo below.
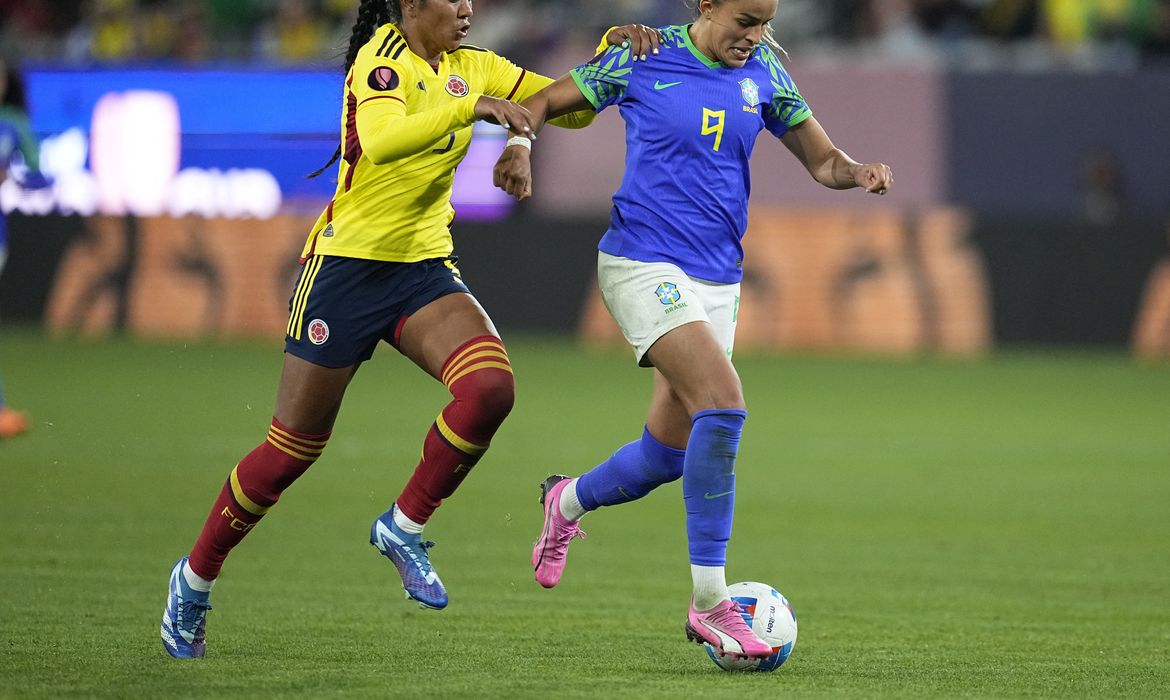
(944, 529)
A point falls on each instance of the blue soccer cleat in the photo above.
(408, 553)
(184, 620)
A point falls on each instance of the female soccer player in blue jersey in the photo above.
(378, 266)
(670, 267)
(15, 137)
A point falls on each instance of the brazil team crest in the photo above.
(668, 293)
(750, 91)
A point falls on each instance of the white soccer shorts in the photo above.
(650, 299)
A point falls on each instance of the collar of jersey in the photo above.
(686, 32)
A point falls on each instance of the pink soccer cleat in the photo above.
(725, 630)
(551, 548)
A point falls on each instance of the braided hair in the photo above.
(371, 15)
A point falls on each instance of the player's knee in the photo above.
(731, 400)
(716, 398)
(730, 394)
(492, 395)
(499, 394)
(721, 390)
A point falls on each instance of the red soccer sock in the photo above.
(479, 376)
(253, 487)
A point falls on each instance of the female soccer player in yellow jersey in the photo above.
(377, 266)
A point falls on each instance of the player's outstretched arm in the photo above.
(387, 133)
(513, 170)
(559, 98)
(567, 99)
(831, 166)
(641, 41)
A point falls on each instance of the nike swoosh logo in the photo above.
(659, 85)
(709, 495)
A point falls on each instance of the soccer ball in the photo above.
(770, 616)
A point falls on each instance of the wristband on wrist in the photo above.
(520, 141)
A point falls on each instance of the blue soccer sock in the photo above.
(709, 483)
(633, 471)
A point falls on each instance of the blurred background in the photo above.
(1028, 138)
(1040, 33)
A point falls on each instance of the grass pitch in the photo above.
(979, 529)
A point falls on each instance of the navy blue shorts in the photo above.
(341, 307)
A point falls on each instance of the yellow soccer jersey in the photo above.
(405, 126)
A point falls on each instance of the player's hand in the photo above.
(638, 38)
(507, 114)
(874, 177)
(513, 172)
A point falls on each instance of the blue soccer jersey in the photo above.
(691, 124)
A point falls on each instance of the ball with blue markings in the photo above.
(770, 616)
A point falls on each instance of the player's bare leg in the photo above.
(309, 396)
(668, 419)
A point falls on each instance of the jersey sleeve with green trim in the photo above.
(534, 83)
(604, 79)
(787, 107)
(508, 81)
